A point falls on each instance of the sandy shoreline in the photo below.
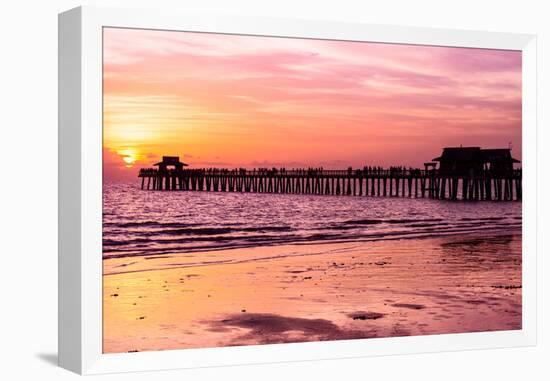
(296, 293)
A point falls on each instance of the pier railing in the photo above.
(368, 181)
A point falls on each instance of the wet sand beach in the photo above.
(331, 291)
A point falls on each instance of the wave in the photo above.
(167, 244)
(390, 221)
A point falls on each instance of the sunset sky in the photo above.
(246, 101)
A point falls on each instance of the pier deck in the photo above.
(488, 185)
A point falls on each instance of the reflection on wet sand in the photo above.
(320, 292)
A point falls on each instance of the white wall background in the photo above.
(28, 187)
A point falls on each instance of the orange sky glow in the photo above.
(244, 101)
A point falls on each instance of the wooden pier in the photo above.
(375, 182)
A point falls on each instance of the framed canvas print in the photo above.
(237, 190)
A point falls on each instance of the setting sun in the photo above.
(129, 156)
(129, 160)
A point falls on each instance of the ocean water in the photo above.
(139, 223)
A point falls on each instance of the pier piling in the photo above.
(372, 182)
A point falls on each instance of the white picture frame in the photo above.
(80, 190)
